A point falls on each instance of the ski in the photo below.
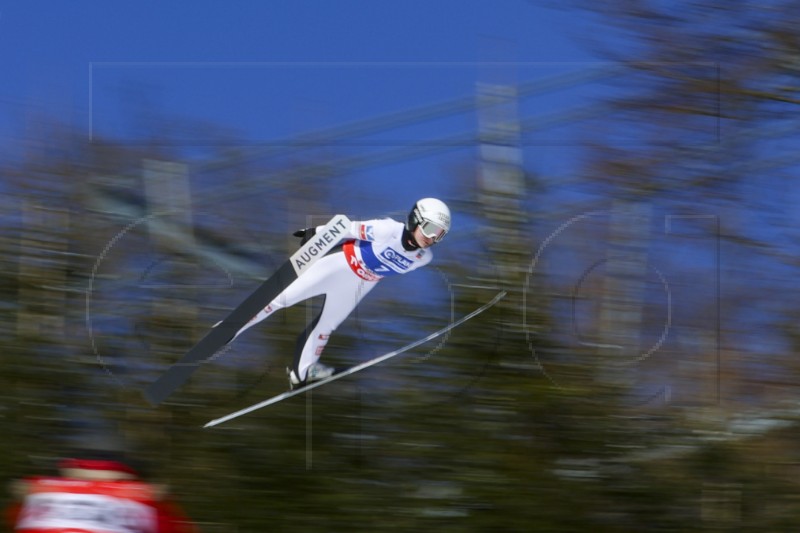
(219, 336)
(356, 368)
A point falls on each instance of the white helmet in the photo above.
(432, 216)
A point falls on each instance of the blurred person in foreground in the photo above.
(94, 494)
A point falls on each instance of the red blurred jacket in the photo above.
(95, 497)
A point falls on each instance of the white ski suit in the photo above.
(372, 250)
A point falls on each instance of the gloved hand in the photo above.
(305, 235)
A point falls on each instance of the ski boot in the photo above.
(316, 372)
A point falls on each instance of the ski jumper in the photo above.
(372, 250)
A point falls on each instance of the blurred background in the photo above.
(625, 173)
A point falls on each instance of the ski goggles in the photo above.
(432, 230)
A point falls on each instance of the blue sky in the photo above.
(64, 58)
(269, 70)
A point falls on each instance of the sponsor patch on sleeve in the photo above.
(366, 233)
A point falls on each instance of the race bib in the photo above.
(96, 513)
